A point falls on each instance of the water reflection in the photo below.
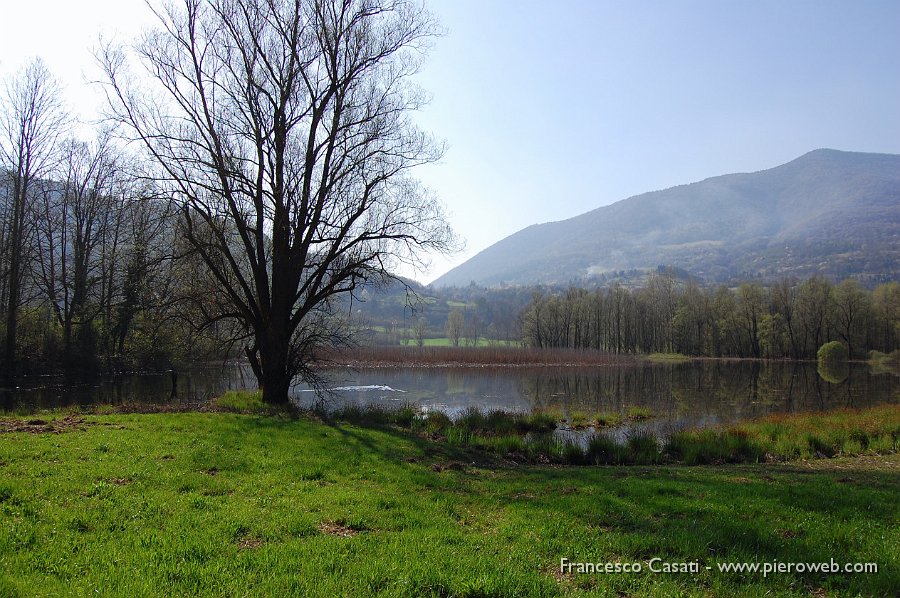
(196, 385)
(699, 392)
(695, 393)
(834, 372)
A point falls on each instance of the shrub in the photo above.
(885, 363)
(833, 352)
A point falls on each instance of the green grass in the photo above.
(242, 401)
(231, 504)
(638, 413)
(445, 342)
(607, 419)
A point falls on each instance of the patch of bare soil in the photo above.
(450, 465)
(69, 423)
(249, 543)
(861, 463)
(332, 528)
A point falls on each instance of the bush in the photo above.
(833, 352)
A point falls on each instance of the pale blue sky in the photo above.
(554, 108)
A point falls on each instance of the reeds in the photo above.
(472, 356)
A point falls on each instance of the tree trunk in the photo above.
(275, 386)
(276, 377)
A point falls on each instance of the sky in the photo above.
(550, 109)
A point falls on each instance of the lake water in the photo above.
(695, 393)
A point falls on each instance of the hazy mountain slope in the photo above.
(827, 212)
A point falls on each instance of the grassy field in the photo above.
(230, 504)
(446, 342)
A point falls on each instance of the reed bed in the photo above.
(472, 357)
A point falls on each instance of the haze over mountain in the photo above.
(828, 212)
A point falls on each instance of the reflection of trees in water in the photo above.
(725, 390)
(834, 372)
(731, 390)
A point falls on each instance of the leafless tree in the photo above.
(421, 329)
(455, 323)
(31, 120)
(71, 218)
(283, 129)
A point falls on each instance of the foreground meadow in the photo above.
(232, 504)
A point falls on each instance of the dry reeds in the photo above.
(473, 357)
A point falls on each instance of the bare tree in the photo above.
(71, 221)
(282, 128)
(455, 323)
(31, 121)
(851, 306)
(421, 329)
(472, 329)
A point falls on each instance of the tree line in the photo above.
(787, 319)
(88, 275)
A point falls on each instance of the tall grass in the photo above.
(243, 401)
(530, 436)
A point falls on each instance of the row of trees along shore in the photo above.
(89, 278)
(783, 320)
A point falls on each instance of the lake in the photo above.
(696, 393)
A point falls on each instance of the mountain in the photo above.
(828, 212)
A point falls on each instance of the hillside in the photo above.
(828, 212)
